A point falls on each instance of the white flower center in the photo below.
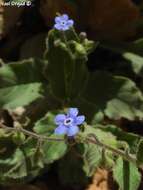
(63, 23)
(68, 121)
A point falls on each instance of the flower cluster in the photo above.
(63, 22)
(68, 124)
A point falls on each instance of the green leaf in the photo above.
(89, 45)
(70, 169)
(18, 138)
(45, 125)
(34, 157)
(93, 154)
(92, 158)
(131, 138)
(19, 95)
(7, 147)
(86, 108)
(13, 168)
(66, 59)
(53, 150)
(20, 83)
(136, 62)
(19, 164)
(105, 137)
(126, 175)
(140, 153)
(115, 96)
(22, 72)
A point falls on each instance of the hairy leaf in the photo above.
(136, 62)
(66, 58)
(45, 125)
(53, 150)
(131, 139)
(19, 164)
(13, 168)
(115, 96)
(20, 83)
(19, 95)
(92, 158)
(105, 137)
(22, 72)
(126, 175)
(70, 169)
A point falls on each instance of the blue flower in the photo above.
(68, 124)
(63, 22)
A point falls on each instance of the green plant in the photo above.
(47, 87)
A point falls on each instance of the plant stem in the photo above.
(75, 34)
(30, 133)
(94, 140)
(90, 139)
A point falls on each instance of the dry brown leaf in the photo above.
(100, 180)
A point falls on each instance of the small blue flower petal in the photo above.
(59, 119)
(70, 23)
(61, 130)
(65, 28)
(68, 124)
(79, 120)
(73, 112)
(61, 27)
(57, 20)
(65, 17)
(73, 130)
(63, 22)
(58, 26)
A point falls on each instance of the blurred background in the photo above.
(22, 35)
(23, 26)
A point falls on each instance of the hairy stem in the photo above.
(30, 133)
(94, 140)
(91, 138)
